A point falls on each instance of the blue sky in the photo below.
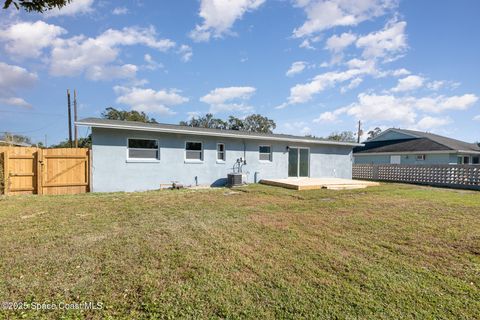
(314, 66)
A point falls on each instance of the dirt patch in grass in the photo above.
(393, 251)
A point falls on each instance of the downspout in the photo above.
(244, 149)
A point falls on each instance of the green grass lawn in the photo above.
(390, 252)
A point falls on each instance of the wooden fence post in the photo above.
(39, 171)
(6, 173)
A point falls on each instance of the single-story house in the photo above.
(133, 156)
(399, 146)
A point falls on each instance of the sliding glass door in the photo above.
(298, 162)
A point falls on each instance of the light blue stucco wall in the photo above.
(112, 172)
(440, 158)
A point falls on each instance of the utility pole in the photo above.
(359, 131)
(69, 119)
(75, 116)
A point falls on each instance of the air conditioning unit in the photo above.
(234, 179)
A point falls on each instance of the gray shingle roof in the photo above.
(450, 143)
(164, 127)
(420, 141)
(401, 145)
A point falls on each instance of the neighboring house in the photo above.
(398, 146)
(132, 156)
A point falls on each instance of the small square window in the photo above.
(265, 153)
(476, 160)
(421, 157)
(194, 151)
(220, 152)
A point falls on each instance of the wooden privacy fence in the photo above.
(44, 171)
(454, 176)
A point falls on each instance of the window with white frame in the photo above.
(220, 152)
(476, 160)
(265, 153)
(143, 149)
(194, 151)
(421, 157)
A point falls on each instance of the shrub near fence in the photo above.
(454, 176)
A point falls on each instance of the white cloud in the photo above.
(219, 16)
(296, 67)
(339, 43)
(326, 14)
(120, 11)
(439, 104)
(221, 95)
(71, 9)
(477, 118)
(439, 84)
(151, 63)
(400, 72)
(15, 102)
(229, 99)
(336, 44)
(186, 52)
(80, 54)
(96, 57)
(435, 85)
(308, 43)
(97, 73)
(149, 100)
(358, 63)
(409, 83)
(404, 110)
(12, 79)
(352, 85)
(297, 128)
(428, 123)
(27, 39)
(329, 116)
(302, 93)
(387, 43)
(387, 108)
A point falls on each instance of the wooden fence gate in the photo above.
(45, 171)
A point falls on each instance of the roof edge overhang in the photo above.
(213, 134)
